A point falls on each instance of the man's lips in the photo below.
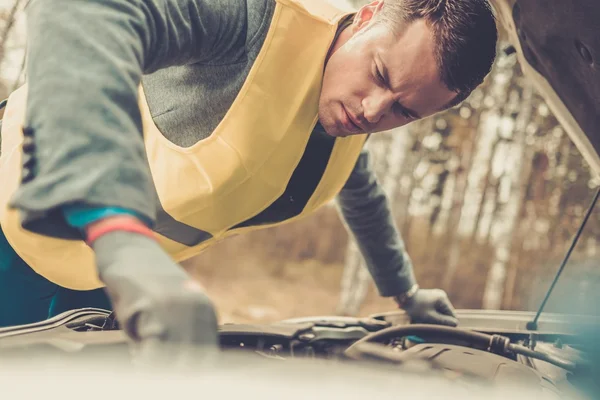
(350, 122)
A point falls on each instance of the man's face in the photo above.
(377, 80)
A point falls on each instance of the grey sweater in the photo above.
(85, 61)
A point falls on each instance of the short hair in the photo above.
(465, 34)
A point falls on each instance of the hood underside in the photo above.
(558, 45)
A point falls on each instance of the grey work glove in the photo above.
(430, 306)
(167, 316)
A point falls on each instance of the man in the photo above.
(250, 113)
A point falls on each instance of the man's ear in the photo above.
(365, 14)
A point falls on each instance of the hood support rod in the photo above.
(533, 325)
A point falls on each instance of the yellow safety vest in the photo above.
(215, 185)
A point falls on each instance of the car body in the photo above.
(558, 48)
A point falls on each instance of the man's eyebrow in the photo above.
(386, 79)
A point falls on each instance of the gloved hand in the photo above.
(166, 315)
(429, 306)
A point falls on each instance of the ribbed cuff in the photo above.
(81, 216)
(396, 283)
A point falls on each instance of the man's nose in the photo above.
(376, 106)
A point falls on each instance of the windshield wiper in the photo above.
(533, 325)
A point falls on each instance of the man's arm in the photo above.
(365, 208)
(85, 62)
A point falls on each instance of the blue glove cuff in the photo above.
(81, 216)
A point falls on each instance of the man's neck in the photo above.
(342, 37)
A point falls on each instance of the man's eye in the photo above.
(379, 76)
(400, 110)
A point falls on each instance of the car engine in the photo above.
(555, 363)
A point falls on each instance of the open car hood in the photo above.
(558, 46)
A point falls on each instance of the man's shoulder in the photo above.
(260, 13)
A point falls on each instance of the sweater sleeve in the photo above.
(366, 211)
(85, 63)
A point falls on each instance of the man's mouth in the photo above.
(349, 122)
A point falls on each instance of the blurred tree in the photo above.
(12, 45)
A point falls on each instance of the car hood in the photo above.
(558, 46)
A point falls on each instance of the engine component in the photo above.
(441, 334)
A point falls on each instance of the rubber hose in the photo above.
(559, 362)
(480, 340)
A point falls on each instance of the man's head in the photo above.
(402, 60)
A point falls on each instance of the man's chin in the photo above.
(338, 134)
(329, 123)
(333, 130)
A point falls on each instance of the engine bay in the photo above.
(493, 350)
(483, 357)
